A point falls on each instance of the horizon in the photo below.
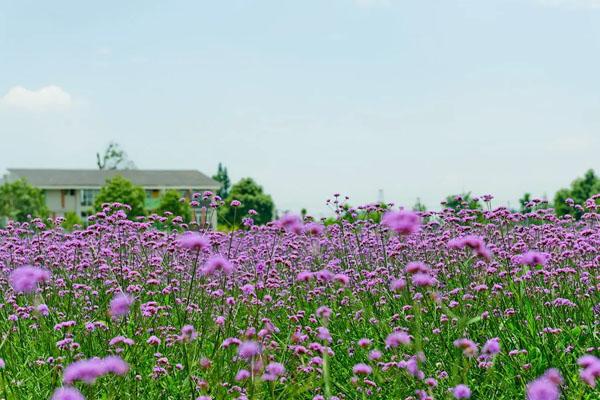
(419, 100)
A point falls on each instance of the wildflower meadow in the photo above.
(382, 303)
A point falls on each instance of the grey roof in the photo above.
(77, 178)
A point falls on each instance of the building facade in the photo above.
(74, 190)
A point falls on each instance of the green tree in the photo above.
(419, 206)
(462, 202)
(19, 199)
(252, 197)
(121, 190)
(524, 201)
(171, 201)
(222, 177)
(581, 189)
(114, 157)
(71, 219)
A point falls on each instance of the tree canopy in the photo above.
(252, 197)
(114, 157)
(171, 201)
(580, 190)
(19, 199)
(222, 177)
(121, 190)
(462, 202)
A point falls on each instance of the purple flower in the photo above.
(461, 392)
(120, 304)
(422, 280)
(468, 346)
(115, 365)
(275, 369)
(26, 279)
(395, 339)
(291, 223)
(217, 263)
(402, 222)
(67, 393)
(2, 363)
(362, 369)
(591, 369)
(242, 375)
(533, 258)
(544, 388)
(86, 371)
(248, 350)
(491, 347)
(193, 241)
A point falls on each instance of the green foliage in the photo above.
(523, 201)
(19, 199)
(114, 158)
(462, 202)
(252, 197)
(121, 190)
(71, 219)
(581, 189)
(171, 201)
(222, 177)
(419, 207)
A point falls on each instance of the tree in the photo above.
(121, 190)
(419, 206)
(171, 201)
(252, 197)
(19, 199)
(71, 220)
(462, 202)
(223, 177)
(114, 158)
(581, 189)
(524, 201)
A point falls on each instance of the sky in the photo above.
(419, 99)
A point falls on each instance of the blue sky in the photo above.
(418, 98)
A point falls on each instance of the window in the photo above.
(88, 196)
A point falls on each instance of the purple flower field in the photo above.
(435, 305)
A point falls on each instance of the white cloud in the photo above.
(570, 3)
(47, 98)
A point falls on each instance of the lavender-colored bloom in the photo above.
(291, 223)
(543, 388)
(362, 369)
(120, 304)
(402, 222)
(193, 241)
(468, 346)
(86, 371)
(395, 339)
(2, 363)
(461, 392)
(533, 258)
(115, 365)
(248, 349)
(67, 393)
(188, 333)
(275, 368)
(423, 280)
(217, 263)
(27, 278)
(591, 369)
(314, 228)
(242, 375)
(491, 347)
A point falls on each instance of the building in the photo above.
(74, 190)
